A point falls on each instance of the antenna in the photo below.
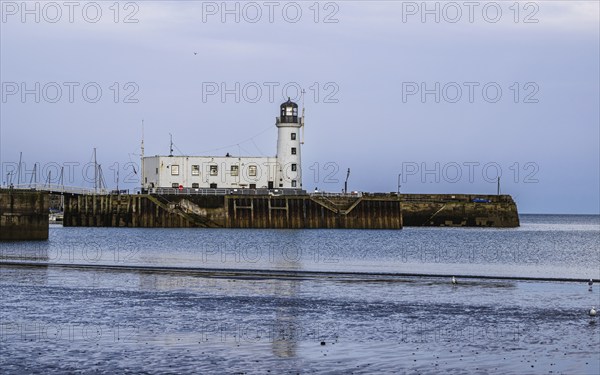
(302, 124)
(171, 147)
(142, 157)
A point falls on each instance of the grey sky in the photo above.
(548, 152)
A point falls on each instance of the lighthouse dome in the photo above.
(289, 112)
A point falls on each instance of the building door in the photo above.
(213, 186)
(270, 184)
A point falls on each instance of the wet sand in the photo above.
(58, 319)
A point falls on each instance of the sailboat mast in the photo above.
(95, 172)
(19, 171)
(142, 161)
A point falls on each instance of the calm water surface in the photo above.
(68, 319)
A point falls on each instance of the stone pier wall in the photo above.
(459, 210)
(233, 211)
(369, 211)
(23, 215)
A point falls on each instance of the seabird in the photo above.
(593, 311)
(453, 280)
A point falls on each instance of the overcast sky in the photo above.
(518, 91)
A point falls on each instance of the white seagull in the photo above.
(453, 280)
(593, 311)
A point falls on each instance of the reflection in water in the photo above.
(26, 276)
(28, 251)
(286, 329)
(283, 331)
(76, 249)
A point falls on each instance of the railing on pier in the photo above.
(455, 198)
(59, 189)
(354, 194)
(222, 191)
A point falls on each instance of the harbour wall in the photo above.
(23, 215)
(368, 211)
(459, 210)
(233, 211)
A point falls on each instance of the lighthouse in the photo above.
(229, 171)
(288, 146)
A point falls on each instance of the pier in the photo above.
(236, 209)
(459, 210)
(23, 215)
(25, 212)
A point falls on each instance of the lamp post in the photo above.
(498, 187)
(346, 182)
(399, 174)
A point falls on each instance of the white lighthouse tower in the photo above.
(289, 171)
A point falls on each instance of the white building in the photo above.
(280, 172)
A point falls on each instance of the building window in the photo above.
(214, 170)
(294, 167)
(213, 186)
(293, 150)
(293, 136)
(174, 170)
(293, 183)
(280, 185)
(156, 171)
(195, 185)
(175, 185)
(195, 170)
(235, 170)
(252, 170)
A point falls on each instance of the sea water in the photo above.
(289, 301)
